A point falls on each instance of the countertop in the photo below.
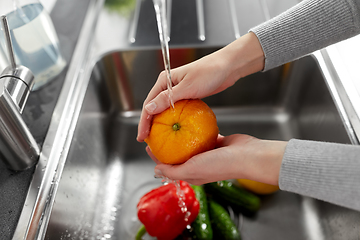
(67, 16)
(345, 60)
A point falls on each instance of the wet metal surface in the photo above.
(107, 170)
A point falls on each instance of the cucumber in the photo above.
(222, 223)
(202, 225)
(233, 195)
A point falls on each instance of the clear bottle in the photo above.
(35, 42)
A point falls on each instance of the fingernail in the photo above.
(158, 173)
(150, 107)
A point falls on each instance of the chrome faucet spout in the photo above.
(18, 147)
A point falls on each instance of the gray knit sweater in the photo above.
(326, 171)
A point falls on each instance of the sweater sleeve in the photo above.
(306, 27)
(325, 171)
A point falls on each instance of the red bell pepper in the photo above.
(160, 212)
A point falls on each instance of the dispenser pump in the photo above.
(20, 79)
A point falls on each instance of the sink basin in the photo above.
(107, 170)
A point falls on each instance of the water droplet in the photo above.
(187, 215)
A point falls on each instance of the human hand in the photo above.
(204, 77)
(236, 156)
(198, 79)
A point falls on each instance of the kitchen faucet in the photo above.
(18, 147)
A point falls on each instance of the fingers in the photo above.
(174, 172)
(143, 126)
(203, 168)
(160, 103)
(159, 86)
(169, 171)
(149, 108)
(151, 155)
(158, 100)
(185, 87)
(200, 169)
(224, 162)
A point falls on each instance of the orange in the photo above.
(258, 187)
(180, 133)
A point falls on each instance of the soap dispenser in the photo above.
(35, 42)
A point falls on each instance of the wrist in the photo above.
(244, 56)
(271, 160)
(265, 161)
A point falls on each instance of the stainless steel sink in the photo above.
(107, 170)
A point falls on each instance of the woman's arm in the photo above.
(308, 26)
(326, 171)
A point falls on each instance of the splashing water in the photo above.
(160, 10)
(180, 194)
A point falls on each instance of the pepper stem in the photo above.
(141, 232)
(176, 126)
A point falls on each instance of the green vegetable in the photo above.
(140, 233)
(202, 225)
(233, 195)
(222, 223)
(120, 6)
